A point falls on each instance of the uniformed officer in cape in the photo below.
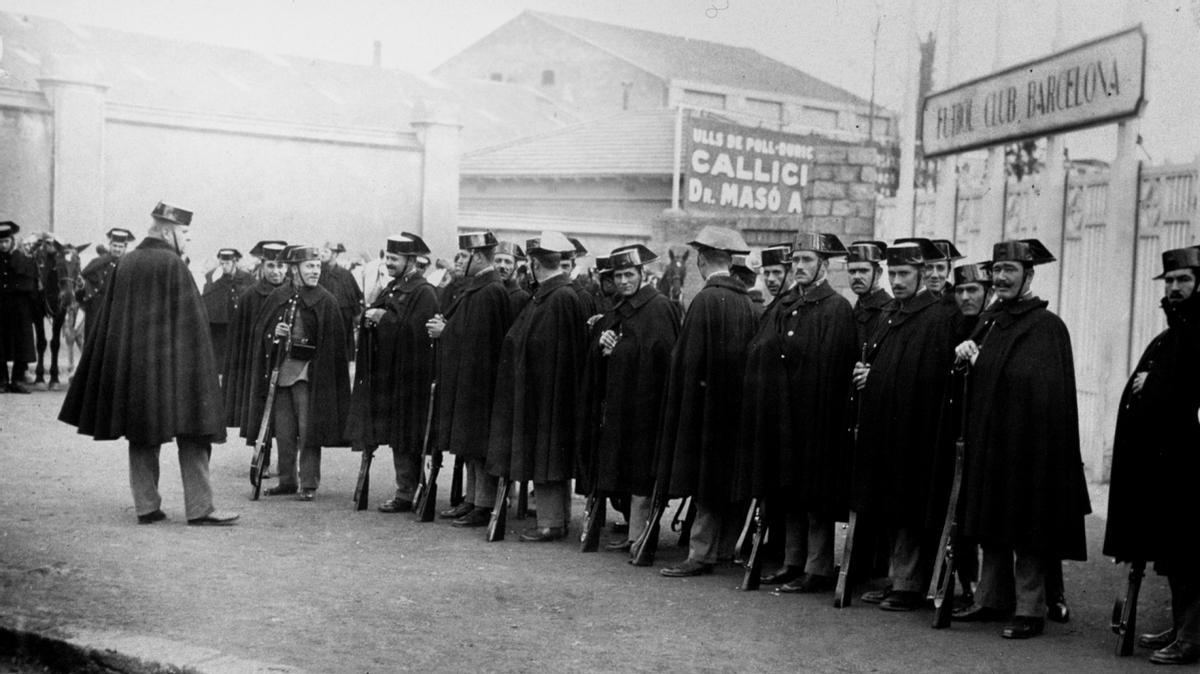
(532, 434)
(18, 285)
(469, 334)
(901, 385)
(221, 297)
(313, 391)
(628, 359)
(508, 255)
(794, 451)
(240, 342)
(390, 403)
(1023, 486)
(703, 403)
(864, 267)
(1156, 458)
(94, 278)
(345, 290)
(741, 270)
(147, 373)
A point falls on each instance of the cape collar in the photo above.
(816, 293)
(876, 299)
(628, 305)
(550, 285)
(149, 242)
(923, 300)
(726, 281)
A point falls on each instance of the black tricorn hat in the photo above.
(298, 254)
(120, 234)
(473, 240)
(171, 214)
(778, 255)
(257, 250)
(229, 254)
(931, 251)
(8, 228)
(634, 255)
(946, 246)
(974, 272)
(271, 250)
(821, 243)
(511, 249)
(912, 251)
(867, 251)
(1180, 258)
(1026, 251)
(603, 265)
(407, 244)
(580, 250)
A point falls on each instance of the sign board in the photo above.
(1094, 83)
(736, 168)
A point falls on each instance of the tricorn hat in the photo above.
(550, 242)
(1180, 258)
(974, 272)
(171, 214)
(229, 254)
(946, 246)
(8, 228)
(825, 245)
(511, 249)
(867, 251)
(603, 265)
(298, 254)
(271, 250)
(912, 251)
(473, 240)
(932, 251)
(1026, 251)
(407, 244)
(120, 234)
(635, 255)
(779, 254)
(257, 250)
(720, 238)
(580, 250)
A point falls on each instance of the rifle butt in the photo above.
(594, 516)
(752, 579)
(644, 548)
(1125, 611)
(428, 505)
(499, 521)
(943, 599)
(841, 592)
(362, 486)
(523, 501)
(456, 484)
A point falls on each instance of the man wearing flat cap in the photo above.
(147, 372)
(18, 285)
(532, 431)
(236, 384)
(93, 280)
(699, 432)
(1024, 491)
(222, 288)
(469, 334)
(1151, 506)
(900, 386)
(312, 395)
(794, 452)
(508, 256)
(864, 266)
(628, 359)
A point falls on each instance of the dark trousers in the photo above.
(290, 416)
(1185, 601)
(1013, 579)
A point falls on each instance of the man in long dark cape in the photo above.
(1156, 459)
(1023, 483)
(221, 299)
(95, 277)
(235, 382)
(18, 287)
(508, 255)
(703, 402)
(866, 274)
(621, 407)
(532, 434)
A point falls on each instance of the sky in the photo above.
(831, 39)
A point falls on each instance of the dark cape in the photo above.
(147, 372)
(328, 371)
(390, 403)
(704, 393)
(468, 358)
(18, 288)
(235, 382)
(621, 406)
(868, 311)
(910, 356)
(95, 278)
(532, 434)
(221, 296)
(1023, 481)
(794, 427)
(1152, 501)
(518, 297)
(341, 284)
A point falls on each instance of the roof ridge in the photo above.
(565, 129)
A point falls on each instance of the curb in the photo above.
(85, 650)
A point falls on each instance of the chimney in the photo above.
(377, 57)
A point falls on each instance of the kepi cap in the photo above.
(777, 255)
(720, 238)
(8, 228)
(257, 250)
(271, 251)
(229, 254)
(974, 272)
(1180, 258)
(827, 245)
(867, 251)
(510, 249)
(298, 254)
(120, 234)
(473, 240)
(1026, 251)
(171, 214)
(912, 251)
(407, 243)
(603, 265)
(634, 255)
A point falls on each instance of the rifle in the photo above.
(362, 486)
(754, 565)
(523, 501)
(425, 500)
(281, 349)
(683, 525)
(594, 515)
(456, 483)
(841, 592)
(941, 584)
(1124, 616)
(495, 530)
(641, 553)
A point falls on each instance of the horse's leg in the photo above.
(56, 328)
(39, 331)
(73, 336)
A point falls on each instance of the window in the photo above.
(821, 118)
(771, 111)
(547, 78)
(703, 99)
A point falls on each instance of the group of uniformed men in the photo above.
(820, 408)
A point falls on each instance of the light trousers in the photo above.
(193, 465)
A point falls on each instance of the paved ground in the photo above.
(319, 587)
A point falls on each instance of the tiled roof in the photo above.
(637, 142)
(675, 57)
(496, 112)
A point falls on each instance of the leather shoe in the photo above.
(977, 614)
(785, 575)
(1058, 611)
(215, 518)
(619, 546)
(281, 490)
(1023, 627)
(1151, 641)
(395, 505)
(1178, 653)
(542, 535)
(306, 495)
(875, 596)
(808, 584)
(901, 600)
(686, 569)
(477, 517)
(151, 518)
(457, 511)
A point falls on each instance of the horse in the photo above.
(671, 281)
(58, 270)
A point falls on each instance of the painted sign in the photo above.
(1094, 83)
(736, 168)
